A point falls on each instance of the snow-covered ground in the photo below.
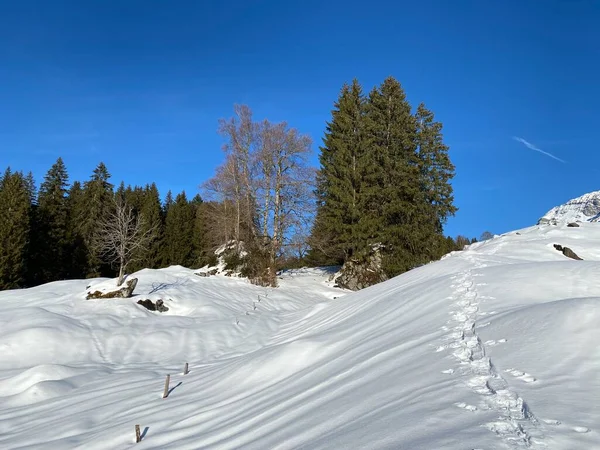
(491, 348)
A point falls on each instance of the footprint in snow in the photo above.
(551, 421)
(493, 342)
(527, 378)
(483, 325)
(581, 429)
(466, 407)
(448, 371)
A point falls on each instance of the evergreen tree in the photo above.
(121, 192)
(179, 229)
(201, 252)
(334, 233)
(391, 202)
(77, 249)
(33, 258)
(54, 223)
(15, 219)
(97, 202)
(152, 213)
(436, 172)
(168, 203)
(384, 179)
(31, 188)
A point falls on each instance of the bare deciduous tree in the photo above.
(122, 235)
(286, 183)
(266, 178)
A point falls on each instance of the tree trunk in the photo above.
(121, 274)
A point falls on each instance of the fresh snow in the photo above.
(491, 348)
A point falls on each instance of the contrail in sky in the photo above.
(533, 147)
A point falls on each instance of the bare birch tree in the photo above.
(267, 179)
(286, 184)
(240, 132)
(122, 235)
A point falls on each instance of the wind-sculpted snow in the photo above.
(494, 347)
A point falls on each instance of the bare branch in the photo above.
(122, 235)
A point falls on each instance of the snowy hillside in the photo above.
(581, 209)
(495, 347)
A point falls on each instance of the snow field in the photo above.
(494, 347)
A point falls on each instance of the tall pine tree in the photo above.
(391, 196)
(384, 179)
(150, 209)
(339, 181)
(15, 220)
(97, 203)
(436, 172)
(77, 248)
(179, 229)
(54, 223)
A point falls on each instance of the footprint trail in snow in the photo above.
(516, 425)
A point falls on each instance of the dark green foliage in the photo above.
(168, 203)
(391, 202)
(51, 235)
(384, 179)
(202, 255)
(96, 203)
(149, 207)
(232, 260)
(334, 234)
(179, 229)
(77, 248)
(462, 241)
(53, 228)
(15, 221)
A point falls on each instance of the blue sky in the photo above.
(141, 85)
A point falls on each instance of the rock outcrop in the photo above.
(124, 292)
(567, 252)
(358, 274)
(207, 273)
(150, 305)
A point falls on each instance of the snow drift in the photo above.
(494, 347)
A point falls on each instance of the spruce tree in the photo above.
(391, 200)
(33, 261)
(436, 172)
(168, 203)
(201, 253)
(54, 223)
(150, 209)
(179, 229)
(77, 248)
(15, 219)
(334, 232)
(97, 202)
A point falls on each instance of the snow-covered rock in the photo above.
(581, 209)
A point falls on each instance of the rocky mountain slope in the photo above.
(581, 209)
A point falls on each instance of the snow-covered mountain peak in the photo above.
(581, 209)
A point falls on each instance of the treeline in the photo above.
(383, 186)
(50, 235)
(384, 182)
